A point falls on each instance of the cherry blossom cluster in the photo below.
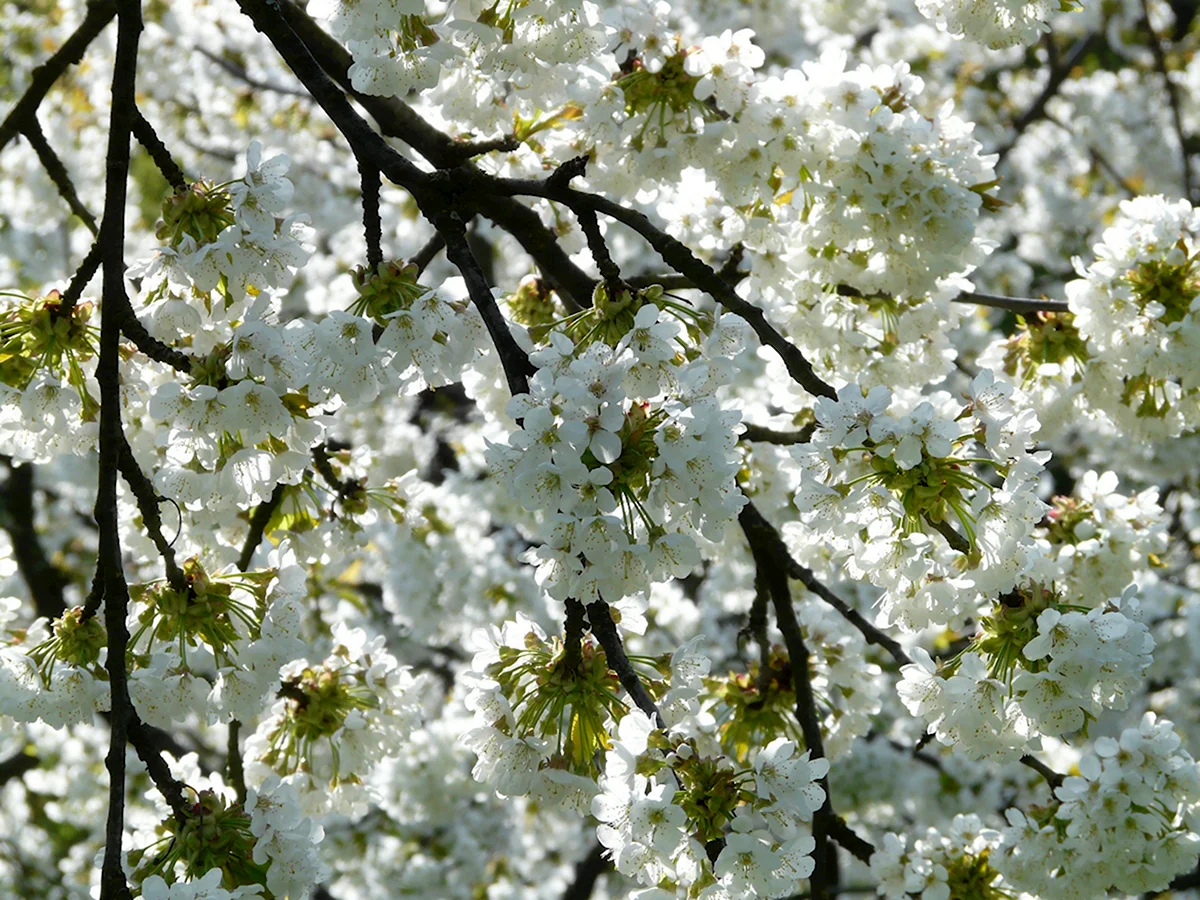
(541, 724)
(678, 814)
(940, 866)
(994, 23)
(1133, 305)
(1125, 822)
(47, 399)
(623, 450)
(334, 721)
(933, 499)
(845, 532)
(221, 849)
(1037, 667)
(1099, 538)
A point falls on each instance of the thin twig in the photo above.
(151, 346)
(772, 544)
(57, 171)
(99, 14)
(150, 141)
(233, 761)
(605, 630)
(429, 250)
(148, 500)
(1012, 304)
(258, 525)
(242, 75)
(1160, 61)
(573, 624)
(79, 282)
(1053, 779)
(1037, 109)
(515, 361)
(760, 435)
(609, 270)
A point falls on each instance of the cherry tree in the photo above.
(568, 449)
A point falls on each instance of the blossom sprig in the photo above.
(76, 639)
(626, 455)
(668, 805)
(927, 498)
(613, 319)
(1046, 344)
(1135, 305)
(212, 834)
(218, 611)
(38, 335)
(753, 707)
(226, 238)
(419, 330)
(662, 99)
(1038, 666)
(333, 721)
(1101, 537)
(52, 672)
(544, 717)
(199, 212)
(1126, 822)
(263, 847)
(942, 866)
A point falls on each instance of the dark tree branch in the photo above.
(824, 879)
(587, 871)
(1052, 778)
(673, 252)
(79, 282)
(99, 14)
(397, 119)
(1012, 304)
(574, 621)
(569, 281)
(233, 761)
(366, 143)
(148, 501)
(774, 549)
(517, 367)
(605, 630)
(759, 434)
(234, 769)
(427, 253)
(57, 171)
(150, 141)
(609, 271)
(372, 224)
(468, 149)
(151, 346)
(17, 765)
(109, 566)
(258, 526)
(1037, 109)
(45, 580)
(953, 538)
